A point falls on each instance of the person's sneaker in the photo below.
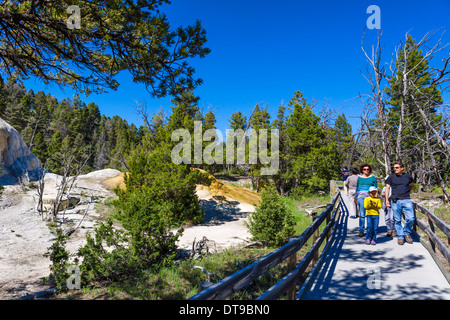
(400, 241)
(394, 234)
(409, 239)
(389, 234)
(361, 234)
(367, 241)
(373, 242)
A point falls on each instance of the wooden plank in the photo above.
(291, 278)
(317, 266)
(445, 228)
(441, 246)
(243, 277)
(240, 279)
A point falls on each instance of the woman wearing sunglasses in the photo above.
(365, 181)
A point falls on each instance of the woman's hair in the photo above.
(361, 167)
(355, 171)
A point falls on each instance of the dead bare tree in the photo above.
(40, 188)
(376, 96)
(72, 168)
(425, 104)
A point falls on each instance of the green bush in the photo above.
(158, 196)
(105, 254)
(271, 221)
(59, 258)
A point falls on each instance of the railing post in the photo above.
(328, 221)
(292, 263)
(430, 223)
(315, 236)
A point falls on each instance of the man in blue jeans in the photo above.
(401, 184)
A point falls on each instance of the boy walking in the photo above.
(372, 204)
(401, 184)
(388, 214)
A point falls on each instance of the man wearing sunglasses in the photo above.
(401, 184)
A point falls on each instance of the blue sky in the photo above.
(263, 51)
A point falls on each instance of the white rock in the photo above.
(16, 159)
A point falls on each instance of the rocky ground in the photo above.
(25, 236)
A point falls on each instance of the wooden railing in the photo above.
(241, 278)
(434, 240)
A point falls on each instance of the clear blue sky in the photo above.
(263, 51)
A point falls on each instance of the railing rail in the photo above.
(221, 290)
(435, 241)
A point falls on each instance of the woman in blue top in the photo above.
(365, 181)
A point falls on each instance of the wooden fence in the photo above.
(434, 240)
(221, 290)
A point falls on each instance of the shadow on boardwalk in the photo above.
(353, 270)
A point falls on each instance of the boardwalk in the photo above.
(354, 270)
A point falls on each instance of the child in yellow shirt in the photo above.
(372, 204)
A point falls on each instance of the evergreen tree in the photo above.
(16, 109)
(312, 157)
(271, 221)
(238, 121)
(210, 121)
(342, 134)
(410, 85)
(260, 120)
(280, 123)
(3, 97)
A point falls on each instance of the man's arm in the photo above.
(388, 188)
(411, 183)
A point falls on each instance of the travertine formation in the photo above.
(16, 160)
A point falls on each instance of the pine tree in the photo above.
(280, 123)
(342, 134)
(410, 85)
(210, 121)
(260, 120)
(271, 221)
(17, 107)
(3, 97)
(312, 158)
(238, 121)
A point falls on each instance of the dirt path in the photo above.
(24, 237)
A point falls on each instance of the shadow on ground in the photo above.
(368, 282)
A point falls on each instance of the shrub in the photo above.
(59, 258)
(272, 221)
(105, 254)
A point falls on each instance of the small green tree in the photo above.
(59, 258)
(272, 221)
(311, 157)
(101, 263)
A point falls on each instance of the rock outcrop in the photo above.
(16, 160)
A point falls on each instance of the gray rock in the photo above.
(16, 160)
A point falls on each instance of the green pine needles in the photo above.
(272, 221)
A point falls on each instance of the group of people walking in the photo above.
(362, 189)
